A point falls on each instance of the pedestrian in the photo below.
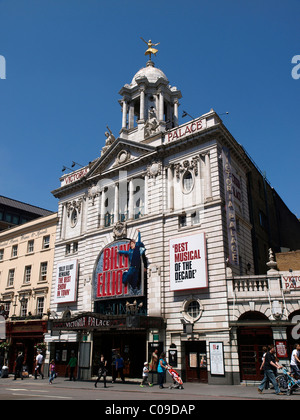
(295, 360)
(119, 369)
(1, 363)
(145, 375)
(19, 366)
(265, 350)
(72, 365)
(154, 361)
(52, 371)
(161, 369)
(270, 367)
(38, 365)
(102, 371)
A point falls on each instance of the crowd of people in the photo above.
(158, 364)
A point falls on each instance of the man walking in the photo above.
(270, 368)
(19, 366)
(39, 363)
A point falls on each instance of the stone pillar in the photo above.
(116, 203)
(131, 115)
(146, 192)
(161, 106)
(142, 105)
(176, 103)
(124, 118)
(170, 188)
(130, 204)
(102, 207)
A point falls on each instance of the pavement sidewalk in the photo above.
(191, 390)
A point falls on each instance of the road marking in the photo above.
(44, 396)
(22, 389)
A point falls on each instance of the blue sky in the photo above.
(66, 61)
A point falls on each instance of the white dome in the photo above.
(150, 72)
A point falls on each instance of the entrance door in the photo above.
(251, 342)
(196, 362)
(131, 346)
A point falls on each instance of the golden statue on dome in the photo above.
(150, 49)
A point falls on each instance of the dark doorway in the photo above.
(131, 346)
(251, 340)
(196, 361)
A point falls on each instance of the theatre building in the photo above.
(181, 192)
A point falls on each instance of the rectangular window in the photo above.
(1, 254)
(11, 277)
(43, 273)
(182, 221)
(24, 304)
(27, 274)
(14, 252)
(30, 246)
(40, 306)
(46, 242)
(75, 247)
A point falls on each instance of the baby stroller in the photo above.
(287, 383)
(177, 381)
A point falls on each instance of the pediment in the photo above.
(119, 155)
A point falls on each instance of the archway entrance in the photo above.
(252, 337)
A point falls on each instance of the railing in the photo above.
(250, 284)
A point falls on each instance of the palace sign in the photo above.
(186, 130)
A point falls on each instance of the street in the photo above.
(64, 390)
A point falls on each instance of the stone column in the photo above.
(102, 207)
(116, 203)
(142, 104)
(171, 188)
(161, 106)
(130, 204)
(176, 103)
(124, 118)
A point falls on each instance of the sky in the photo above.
(66, 61)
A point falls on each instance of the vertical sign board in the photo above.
(66, 282)
(216, 353)
(188, 265)
(231, 191)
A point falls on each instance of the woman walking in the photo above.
(52, 371)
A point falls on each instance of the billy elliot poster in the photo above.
(188, 265)
(109, 281)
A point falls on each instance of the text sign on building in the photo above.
(186, 130)
(230, 192)
(66, 282)
(109, 271)
(74, 176)
(188, 265)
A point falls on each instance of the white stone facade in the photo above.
(168, 182)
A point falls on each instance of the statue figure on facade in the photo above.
(150, 49)
(151, 124)
(110, 138)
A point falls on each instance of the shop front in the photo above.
(26, 336)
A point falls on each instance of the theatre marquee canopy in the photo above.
(92, 322)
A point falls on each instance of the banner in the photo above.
(108, 276)
(66, 282)
(188, 266)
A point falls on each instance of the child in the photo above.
(145, 376)
(52, 371)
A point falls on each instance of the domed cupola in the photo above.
(149, 103)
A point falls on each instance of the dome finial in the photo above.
(150, 49)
